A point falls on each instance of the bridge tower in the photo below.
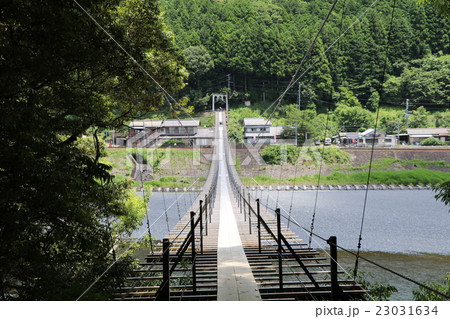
(216, 97)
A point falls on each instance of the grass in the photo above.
(164, 161)
(207, 119)
(393, 163)
(238, 165)
(176, 181)
(117, 158)
(419, 176)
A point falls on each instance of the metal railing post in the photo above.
(249, 216)
(259, 224)
(211, 198)
(201, 227)
(165, 291)
(244, 204)
(333, 260)
(194, 275)
(206, 215)
(280, 264)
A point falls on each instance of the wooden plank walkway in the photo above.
(229, 263)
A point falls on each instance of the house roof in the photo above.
(140, 124)
(423, 132)
(181, 123)
(349, 135)
(370, 131)
(205, 133)
(256, 122)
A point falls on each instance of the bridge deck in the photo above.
(235, 277)
(229, 265)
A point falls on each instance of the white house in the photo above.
(366, 138)
(259, 130)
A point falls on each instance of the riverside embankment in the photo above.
(390, 166)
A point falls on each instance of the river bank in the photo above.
(183, 169)
(407, 167)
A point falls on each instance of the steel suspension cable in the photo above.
(382, 80)
(358, 19)
(370, 261)
(360, 257)
(318, 180)
(165, 210)
(277, 102)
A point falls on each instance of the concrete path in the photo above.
(235, 280)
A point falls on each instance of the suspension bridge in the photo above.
(228, 246)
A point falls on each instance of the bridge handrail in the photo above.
(208, 193)
(238, 186)
(211, 180)
(162, 292)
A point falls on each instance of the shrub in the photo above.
(173, 143)
(432, 141)
(274, 155)
(426, 295)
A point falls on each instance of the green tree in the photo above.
(419, 118)
(441, 5)
(349, 114)
(425, 81)
(198, 62)
(443, 192)
(323, 127)
(442, 119)
(424, 294)
(373, 101)
(62, 77)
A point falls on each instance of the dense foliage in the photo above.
(261, 43)
(61, 78)
(349, 116)
(423, 294)
(279, 154)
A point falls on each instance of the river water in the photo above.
(164, 211)
(404, 230)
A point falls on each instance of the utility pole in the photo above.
(229, 80)
(264, 91)
(407, 112)
(296, 136)
(299, 91)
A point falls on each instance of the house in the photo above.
(366, 138)
(138, 126)
(146, 133)
(259, 130)
(143, 133)
(417, 135)
(347, 138)
(177, 127)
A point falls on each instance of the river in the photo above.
(164, 211)
(404, 230)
